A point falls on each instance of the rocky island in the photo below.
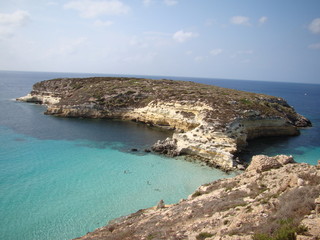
(210, 122)
(273, 199)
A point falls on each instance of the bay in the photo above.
(60, 178)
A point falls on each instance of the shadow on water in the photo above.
(28, 119)
(271, 146)
(105, 133)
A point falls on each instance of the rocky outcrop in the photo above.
(210, 122)
(168, 147)
(261, 163)
(271, 194)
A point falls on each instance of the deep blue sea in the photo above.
(60, 178)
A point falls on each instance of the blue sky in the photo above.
(272, 40)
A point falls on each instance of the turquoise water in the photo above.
(60, 189)
(60, 178)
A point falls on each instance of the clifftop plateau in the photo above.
(210, 122)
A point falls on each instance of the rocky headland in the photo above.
(210, 122)
(273, 199)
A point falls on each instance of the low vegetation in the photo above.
(203, 236)
(109, 93)
(286, 231)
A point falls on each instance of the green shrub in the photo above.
(245, 101)
(203, 235)
(261, 236)
(196, 194)
(286, 231)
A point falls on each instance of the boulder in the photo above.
(284, 159)
(168, 147)
(261, 163)
(160, 204)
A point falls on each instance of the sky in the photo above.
(270, 40)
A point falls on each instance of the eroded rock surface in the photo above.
(210, 122)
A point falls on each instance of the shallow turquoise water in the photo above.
(60, 189)
(60, 178)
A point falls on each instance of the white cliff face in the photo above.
(181, 116)
(45, 98)
(194, 135)
(214, 147)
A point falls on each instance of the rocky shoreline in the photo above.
(210, 123)
(274, 197)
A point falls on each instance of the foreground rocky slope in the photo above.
(212, 123)
(273, 193)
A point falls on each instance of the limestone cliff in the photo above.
(273, 199)
(210, 122)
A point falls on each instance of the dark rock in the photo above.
(160, 204)
(134, 150)
(167, 147)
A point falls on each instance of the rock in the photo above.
(300, 182)
(261, 163)
(241, 167)
(167, 147)
(301, 121)
(284, 159)
(147, 150)
(134, 150)
(302, 237)
(313, 227)
(160, 204)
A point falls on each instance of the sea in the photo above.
(63, 177)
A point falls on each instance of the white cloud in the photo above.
(15, 19)
(314, 46)
(170, 2)
(138, 42)
(99, 23)
(9, 22)
(155, 33)
(150, 40)
(67, 46)
(240, 20)
(242, 53)
(216, 51)
(182, 36)
(52, 3)
(314, 26)
(199, 58)
(209, 22)
(147, 2)
(92, 9)
(263, 19)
